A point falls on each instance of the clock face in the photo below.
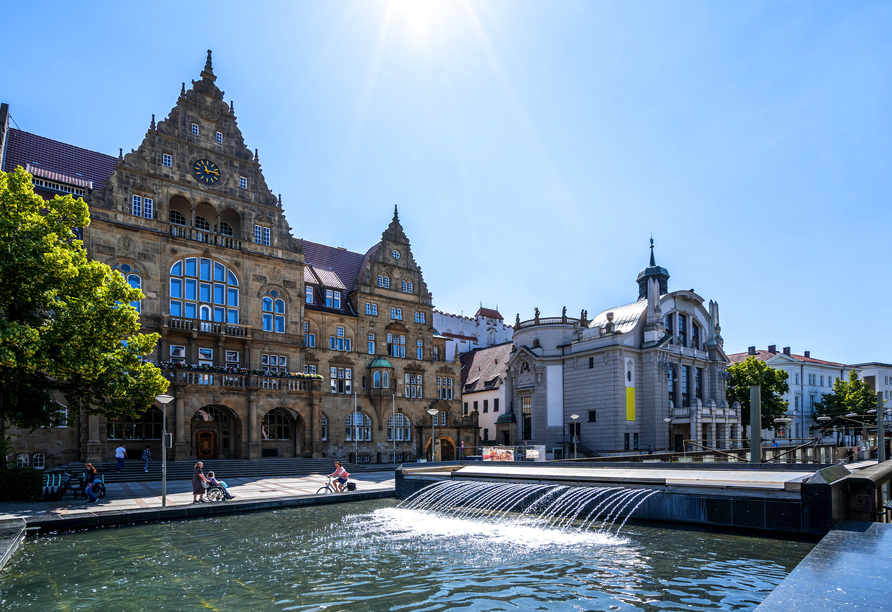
(206, 172)
(395, 254)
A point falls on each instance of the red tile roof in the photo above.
(54, 156)
(458, 336)
(765, 356)
(489, 312)
(58, 177)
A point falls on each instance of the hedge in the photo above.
(20, 484)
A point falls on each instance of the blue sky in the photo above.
(532, 147)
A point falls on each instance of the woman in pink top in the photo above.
(342, 476)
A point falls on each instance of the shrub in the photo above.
(20, 484)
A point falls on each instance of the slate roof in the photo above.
(484, 369)
(624, 317)
(343, 263)
(765, 356)
(24, 148)
(459, 336)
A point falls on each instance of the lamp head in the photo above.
(164, 399)
(574, 416)
(432, 411)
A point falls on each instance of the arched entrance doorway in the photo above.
(447, 449)
(214, 431)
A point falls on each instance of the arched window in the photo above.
(133, 279)
(399, 429)
(202, 224)
(358, 426)
(276, 425)
(203, 288)
(273, 307)
(225, 229)
(377, 380)
(175, 216)
(385, 380)
(324, 422)
(383, 281)
(21, 460)
(148, 427)
(39, 461)
(210, 413)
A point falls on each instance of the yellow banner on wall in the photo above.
(630, 403)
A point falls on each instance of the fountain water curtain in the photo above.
(546, 506)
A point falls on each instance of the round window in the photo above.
(274, 293)
(395, 253)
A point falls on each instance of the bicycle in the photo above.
(329, 487)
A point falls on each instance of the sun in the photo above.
(416, 18)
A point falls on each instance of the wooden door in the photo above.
(207, 445)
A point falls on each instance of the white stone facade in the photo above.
(485, 328)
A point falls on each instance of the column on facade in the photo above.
(253, 433)
(712, 436)
(316, 428)
(181, 446)
(219, 354)
(94, 444)
(193, 348)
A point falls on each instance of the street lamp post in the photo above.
(574, 417)
(668, 421)
(164, 400)
(433, 412)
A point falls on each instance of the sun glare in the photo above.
(417, 18)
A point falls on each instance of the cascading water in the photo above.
(531, 505)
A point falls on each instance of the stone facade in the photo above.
(188, 218)
(650, 373)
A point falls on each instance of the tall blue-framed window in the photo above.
(201, 288)
(273, 307)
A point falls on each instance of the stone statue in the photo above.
(537, 316)
(517, 322)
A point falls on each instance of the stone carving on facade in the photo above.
(125, 246)
(146, 257)
(341, 360)
(259, 278)
(104, 249)
(289, 284)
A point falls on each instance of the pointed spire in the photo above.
(208, 72)
(396, 214)
(256, 156)
(183, 90)
(153, 121)
(231, 108)
(120, 153)
(652, 262)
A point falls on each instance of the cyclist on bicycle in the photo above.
(342, 476)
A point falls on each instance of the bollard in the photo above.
(755, 424)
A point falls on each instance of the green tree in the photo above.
(773, 383)
(853, 395)
(67, 328)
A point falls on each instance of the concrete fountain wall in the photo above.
(772, 497)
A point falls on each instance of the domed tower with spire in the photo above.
(652, 271)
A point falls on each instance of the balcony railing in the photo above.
(204, 237)
(239, 381)
(212, 327)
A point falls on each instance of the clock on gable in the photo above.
(206, 172)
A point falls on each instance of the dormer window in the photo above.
(332, 299)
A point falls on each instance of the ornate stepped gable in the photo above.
(143, 168)
(379, 260)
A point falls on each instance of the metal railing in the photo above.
(241, 381)
(204, 237)
(211, 327)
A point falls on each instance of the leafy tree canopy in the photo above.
(67, 329)
(853, 395)
(773, 383)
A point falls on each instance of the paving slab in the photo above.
(848, 570)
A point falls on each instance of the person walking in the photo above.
(146, 457)
(120, 455)
(198, 487)
(88, 490)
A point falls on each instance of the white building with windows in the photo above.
(483, 376)
(878, 377)
(809, 380)
(486, 328)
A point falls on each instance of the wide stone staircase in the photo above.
(228, 468)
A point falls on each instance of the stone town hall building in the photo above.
(188, 218)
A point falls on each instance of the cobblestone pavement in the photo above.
(140, 495)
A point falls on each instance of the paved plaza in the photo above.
(147, 495)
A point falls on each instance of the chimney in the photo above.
(751, 350)
(786, 350)
(808, 354)
(772, 348)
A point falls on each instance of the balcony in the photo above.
(204, 237)
(211, 327)
(241, 381)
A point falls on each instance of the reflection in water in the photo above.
(374, 556)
